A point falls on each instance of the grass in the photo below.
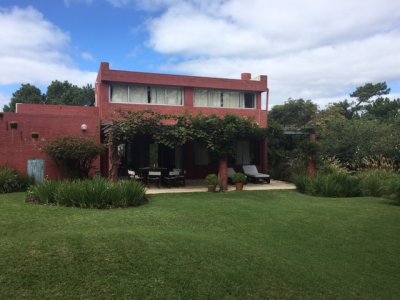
(250, 245)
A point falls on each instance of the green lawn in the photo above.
(249, 245)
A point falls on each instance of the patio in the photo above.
(194, 186)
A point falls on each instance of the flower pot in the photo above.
(239, 186)
(211, 188)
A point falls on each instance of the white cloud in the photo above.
(33, 50)
(310, 49)
(68, 3)
(120, 3)
(87, 56)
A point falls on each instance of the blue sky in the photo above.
(318, 50)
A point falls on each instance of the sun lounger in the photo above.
(252, 173)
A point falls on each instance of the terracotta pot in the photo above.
(212, 188)
(239, 186)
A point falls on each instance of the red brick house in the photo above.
(22, 133)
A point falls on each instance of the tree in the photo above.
(27, 93)
(294, 114)
(367, 91)
(62, 93)
(351, 142)
(66, 93)
(383, 109)
(75, 155)
(364, 95)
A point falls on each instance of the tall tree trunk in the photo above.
(312, 164)
(223, 174)
(113, 161)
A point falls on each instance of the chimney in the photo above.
(246, 76)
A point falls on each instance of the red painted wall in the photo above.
(17, 145)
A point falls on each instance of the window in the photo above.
(119, 93)
(248, 100)
(138, 94)
(247, 152)
(200, 155)
(231, 99)
(142, 94)
(243, 152)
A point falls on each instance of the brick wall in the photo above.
(17, 146)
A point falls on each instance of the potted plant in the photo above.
(212, 182)
(239, 179)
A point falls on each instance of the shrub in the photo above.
(43, 193)
(12, 181)
(239, 177)
(75, 155)
(96, 193)
(375, 182)
(333, 184)
(394, 188)
(336, 184)
(303, 183)
(212, 179)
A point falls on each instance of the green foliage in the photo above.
(331, 181)
(176, 131)
(219, 135)
(43, 193)
(239, 177)
(58, 92)
(294, 114)
(394, 188)
(367, 91)
(303, 183)
(212, 179)
(375, 182)
(96, 193)
(383, 109)
(336, 184)
(12, 181)
(353, 141)
(27, 93)
(66, 93)
(75, 155)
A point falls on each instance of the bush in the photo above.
(12, 181)
(43, 193)
(212, 179)
(96, 193)
(303, 183)
(375, 182)
(75, 155)
(394, 188)
(334, 184)
(239, 177)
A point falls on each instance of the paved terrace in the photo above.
(194, 186)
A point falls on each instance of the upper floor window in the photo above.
(230, 99)
(142, 94)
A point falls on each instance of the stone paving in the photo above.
(194, 186)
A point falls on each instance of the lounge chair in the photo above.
(133, 176)
(252, 173)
